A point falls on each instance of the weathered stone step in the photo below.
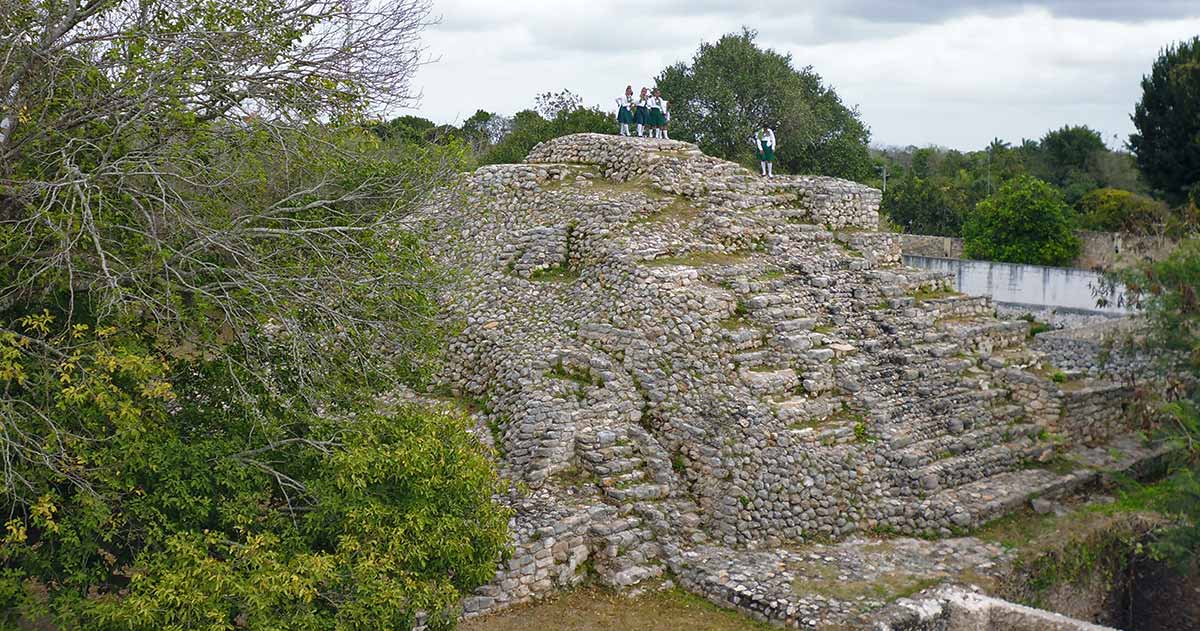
(804, 409)
(770, 382)
(758, 302)
(753, 359)
(930, 450)
(745, 338)
(794, 325)
(986, 333)
(971, 466)
(639, 492)
(770, 315)
(629, 477)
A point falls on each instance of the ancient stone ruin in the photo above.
(686, 368)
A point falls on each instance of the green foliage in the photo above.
(1167, 294)
(732, 87)
(175, 505)
(1167, 118)
(1113, 210)
(925, 207)
(1027, 221)
(199, 310)
(936, 188)
(1066, 154)
(530, 128)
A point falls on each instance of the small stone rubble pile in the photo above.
(680, 362)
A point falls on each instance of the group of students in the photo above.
(649, 111)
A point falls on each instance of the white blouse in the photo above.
(625, 101)
(768, 139)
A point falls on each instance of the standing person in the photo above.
(657, 120)
(641, 115)
(765, 141)
(667, 115)
(625, 108)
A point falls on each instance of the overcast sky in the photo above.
(921, 72)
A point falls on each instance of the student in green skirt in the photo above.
(625, 108)
(641, 115)
(658, 120)
(765, 141)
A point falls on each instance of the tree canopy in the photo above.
(1167, 118)
(733, 86)
(205, 282)
(555, 114)
(1026, 221)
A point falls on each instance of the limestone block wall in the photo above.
(835, 202)
(1081, 414)
(1095, 413)
(551, 545)
(680, 168)
(1095, 351)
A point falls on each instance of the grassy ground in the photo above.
(593, 609)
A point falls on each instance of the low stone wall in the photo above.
(833, 202)
(929, 245)
(1082, 414)
(680, 168)
(1096, 350)
(550, 546)
(1111, 250)
(1099, 250)
(956, 609)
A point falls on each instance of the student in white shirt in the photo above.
(642, 115)
(657, 119)
(625, 109)
(667, 114)
(764, 139)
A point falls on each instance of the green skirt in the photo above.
(640, 116)
(767, 154)
(657, 119)
(625, 117)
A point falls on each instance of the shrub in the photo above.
(923, 207)
(1026, 221)
(1114, 210)
(529, 128)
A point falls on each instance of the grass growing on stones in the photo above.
(680, 209)
(923, 294)
(1055, 556)
(1035, 326)
(849, 249)
(581, 377)
(593, 609)
(557, 274)
(735, 323)
(774, 274)
(828, 580)
(700, 259)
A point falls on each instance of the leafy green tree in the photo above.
(1166, 294)
(923, 207)
(529, 127)
(1167, 117)
(1067, 152)
(484, 130)
(1114, 210)
(205, 285)
(732, 87)
(410, 129)
(1026, 221)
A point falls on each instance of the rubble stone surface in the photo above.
(686, 367)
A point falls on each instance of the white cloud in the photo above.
(951, 75)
